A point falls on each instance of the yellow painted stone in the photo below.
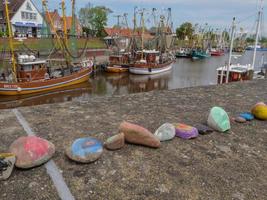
(260, 111)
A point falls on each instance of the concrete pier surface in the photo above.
(215, 166)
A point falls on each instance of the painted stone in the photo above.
(203, 129)
(31, 151)
(247, 116)
(260, 111)
(7, 162)
(240, 120)
(165, 132)
(186, 132)
(116, 142)
(138, 135)
(219, 120)
(85, 150)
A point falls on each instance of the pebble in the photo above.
(116, 142)
(186, 132)
(240, 120)
(219, 120)
(85, 150)
(165, 132)
(32, 151)
(138, 135)
(7, 162)
(203, 129)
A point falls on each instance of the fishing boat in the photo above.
(118, 63)
(183, 53)
(233, 73)
(33, 76)
(199, 54)
(216, 52)
(147, 62)
(30, 75)
(152, 62)
(237, 72)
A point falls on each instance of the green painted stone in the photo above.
(219, 120)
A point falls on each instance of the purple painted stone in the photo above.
(186, 132)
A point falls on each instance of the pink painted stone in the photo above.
(31, 151)
(138, 135)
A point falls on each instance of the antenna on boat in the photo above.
(10, 37)
(257, 33)
(230, 53)
(118, 19)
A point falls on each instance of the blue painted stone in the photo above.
(85, 150)
(247, 116)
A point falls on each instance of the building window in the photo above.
(28, 6)
(28, 16)
(1, 15)
(23, 15)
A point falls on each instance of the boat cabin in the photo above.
(149, 57)
(236, 73)
(30, 69)
(119, 59)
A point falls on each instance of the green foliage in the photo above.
(94, 18)
(2, 34)
(250, 40)
(185, 30)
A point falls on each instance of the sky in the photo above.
(217, 13)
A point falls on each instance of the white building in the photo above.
(25, 18)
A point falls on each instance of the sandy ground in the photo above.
(215, 166)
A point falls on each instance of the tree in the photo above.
(94, 18)
(186, 30)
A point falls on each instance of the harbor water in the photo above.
(185, 73)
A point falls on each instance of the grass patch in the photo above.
(47, 44)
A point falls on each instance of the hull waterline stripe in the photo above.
(51, 168)
(44, 87)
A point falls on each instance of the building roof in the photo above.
(13, 6)
(122, 32)
(69, 21)
(126, 32)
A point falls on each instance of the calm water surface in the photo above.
(185, 73)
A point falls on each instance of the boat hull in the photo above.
(219, 53)
(147, 70)
(116, 69)
(11, 89)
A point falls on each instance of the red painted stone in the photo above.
(31, 151)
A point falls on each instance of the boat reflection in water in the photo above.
(54, 96)
(147, 83)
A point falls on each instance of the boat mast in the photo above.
(143, 33)
(230, 53)
(11, 46)
(65, 30)
(257, 33)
